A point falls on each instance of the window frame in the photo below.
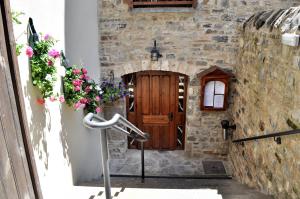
(162, 4)
(214, 74)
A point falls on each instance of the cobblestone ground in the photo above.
(224, 189)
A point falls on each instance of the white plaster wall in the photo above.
(81, 37)
(65, 151)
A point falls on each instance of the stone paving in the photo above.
(227, 189)
(161, 163)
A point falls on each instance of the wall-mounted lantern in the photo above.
(155, 54)
(214, 89)
(227, 129)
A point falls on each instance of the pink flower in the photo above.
(40, 101)
(53, 53)
(97, 98)
(98, 110)
(77, 88)
(50, 63)
(77, 105)
(76, 82)
(29, 51)
(46, 37)
(83, 101)
(86, 77)
(62, 99)
(76, 71)
(84, 70)
(52, 98)
(87, 89)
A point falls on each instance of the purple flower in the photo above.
(53, 53)
(46, 37)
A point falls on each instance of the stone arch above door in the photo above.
(161, 65)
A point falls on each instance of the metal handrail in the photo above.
(135, 133)
(112, 123)
(276, 136)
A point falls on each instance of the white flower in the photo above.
(61, 71)
(48, 77)
(98, 88)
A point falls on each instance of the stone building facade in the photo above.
(191, 40)
(266, 101)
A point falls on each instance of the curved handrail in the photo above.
(89, 121)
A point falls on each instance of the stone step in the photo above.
(131, 188)
(138, 193)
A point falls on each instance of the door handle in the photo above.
(171, 116)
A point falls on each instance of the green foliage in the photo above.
(19, 48)
(15, 17)
(92, 97)
(71, 95)
(43, 71)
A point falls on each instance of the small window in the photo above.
(214, 89)
(214, 94)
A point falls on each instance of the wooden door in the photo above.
(156, 108)
(16, 173)
(157, 105)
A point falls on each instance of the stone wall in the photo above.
(267, 100)
(191, 41)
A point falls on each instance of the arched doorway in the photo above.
(157, 105)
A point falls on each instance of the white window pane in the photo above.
(209, 94)
(220, 87)
(219, 101)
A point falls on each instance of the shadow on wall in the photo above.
(80, 146)
(37, 123)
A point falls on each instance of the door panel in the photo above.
(155, 95)
(15, 179)
(145, 84)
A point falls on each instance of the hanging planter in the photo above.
(42, 59)
(111, 92)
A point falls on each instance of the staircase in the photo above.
(162, 188)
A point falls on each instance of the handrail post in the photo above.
(105, 163)
(143, 162)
